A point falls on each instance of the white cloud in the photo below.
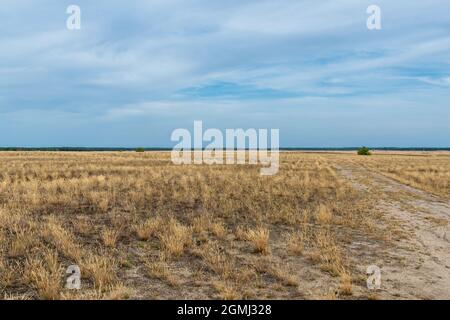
(133, 58)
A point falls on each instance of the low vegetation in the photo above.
(364, 151)
(428, 172)
(140, 227)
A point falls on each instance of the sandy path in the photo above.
(419, 266)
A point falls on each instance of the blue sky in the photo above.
(137, 70)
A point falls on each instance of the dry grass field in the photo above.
(426, 172)
(140, 227)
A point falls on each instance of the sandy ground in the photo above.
(419, 267)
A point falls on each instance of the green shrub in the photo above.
(364, 151)
(140, 150)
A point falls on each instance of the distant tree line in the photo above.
(68, 149)
(86, 149)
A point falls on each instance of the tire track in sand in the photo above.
(425, 269)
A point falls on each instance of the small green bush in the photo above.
(140, 150)
(364, 151)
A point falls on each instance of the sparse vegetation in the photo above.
(140, 227)
(259, 239)
(427, 172)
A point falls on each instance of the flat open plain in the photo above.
(140, 227)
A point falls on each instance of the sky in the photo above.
(137, 70)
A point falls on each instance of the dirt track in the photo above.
(419, 266)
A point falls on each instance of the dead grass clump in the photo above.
(175, 238)
(346, 286)
(109, 237)
(259, 239)
(44, 275)
(160, 270)
(295, 243)
(101, 269)
(119, 292)
(7, 274)
(323, 215)
(241, 233)
(329, 254)
(83, 226)
(62, 239)
(149, 228)
(216, 260)
(219, 230)
(330, 295)
(226, 291)
(22, 241)
(284, 274)
(202, 223)
(99, 200)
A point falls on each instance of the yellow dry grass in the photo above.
(139, 226)
(428, 172)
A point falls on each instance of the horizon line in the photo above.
(224, 149)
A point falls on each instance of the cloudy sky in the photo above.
(137, 70)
